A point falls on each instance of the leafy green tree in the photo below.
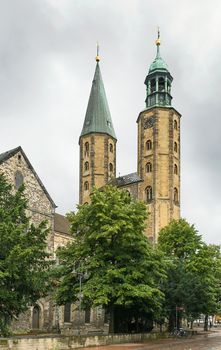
(193, 276)
(122, 267)
(24, 263)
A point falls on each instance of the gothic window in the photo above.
(175, 169)
(152, 85)
(67, 312)
(175, 124)
(86, 166)
(149, 194)
(175, 195)
(19, 158)
(128, 193)
(87, 317)
(111, 167)
(86, 186)
(18, 179)
(175, 147)
(111, 148)
(161, 84)
(86, 149)
(148, 167)
(149, 145)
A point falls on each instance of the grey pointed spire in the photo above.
(98, 117)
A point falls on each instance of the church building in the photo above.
(157, 179)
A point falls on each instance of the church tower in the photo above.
(97, 141)
(159, 149)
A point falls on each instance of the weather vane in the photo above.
(158, 37)
(97, 57)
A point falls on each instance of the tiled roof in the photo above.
(61, 224)
(125, 180)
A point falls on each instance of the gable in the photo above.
(15, 160)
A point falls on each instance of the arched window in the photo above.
(86, 166)
(152, 85)
(67, 312)
(175, 124)
(111, 148)
(86, 186)
(86, 149)
(149, 145)
(18, 179)
(111, 167)
(148, 167)
(149, 194)
(161, 84)
(87, 315)
(175, 169)
(175, 147)
(175, 195)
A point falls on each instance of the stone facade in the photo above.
(159, 166)
(97, 163)
(45, 314)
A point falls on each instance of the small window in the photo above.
(18, 179)
(175, 124)
(161, 84)
(67, 312)
(149, 145)
(111, 148)
(152, 85)
(175, 169)
(86, 166)
(175, 195)
(148, 167)
(149, 194)
(175, 147)
(19, 158)
(111, 167)
(86, 186)
(86, 149)
(87, 316)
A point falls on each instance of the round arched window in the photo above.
(19, 179)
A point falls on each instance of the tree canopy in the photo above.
(24, 263)
(123, 269)
(193, 276)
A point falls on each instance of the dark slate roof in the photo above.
(6, 155)
(125, 180)
(61, 224)
(98, 117)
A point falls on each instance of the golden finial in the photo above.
(158, 37)
(97, 57)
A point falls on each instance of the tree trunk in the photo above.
(206, 323)
(191, 325)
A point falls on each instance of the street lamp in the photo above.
(81, 276)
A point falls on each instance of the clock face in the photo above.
(149, 122)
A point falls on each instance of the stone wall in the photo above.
(74, 342)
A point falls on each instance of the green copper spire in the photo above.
(98, 118)
(158, 82)
(158, 64)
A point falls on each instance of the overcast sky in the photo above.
(47, 51)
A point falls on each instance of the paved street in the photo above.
(210, 341)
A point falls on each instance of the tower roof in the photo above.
(158, 64)
(98, 117)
